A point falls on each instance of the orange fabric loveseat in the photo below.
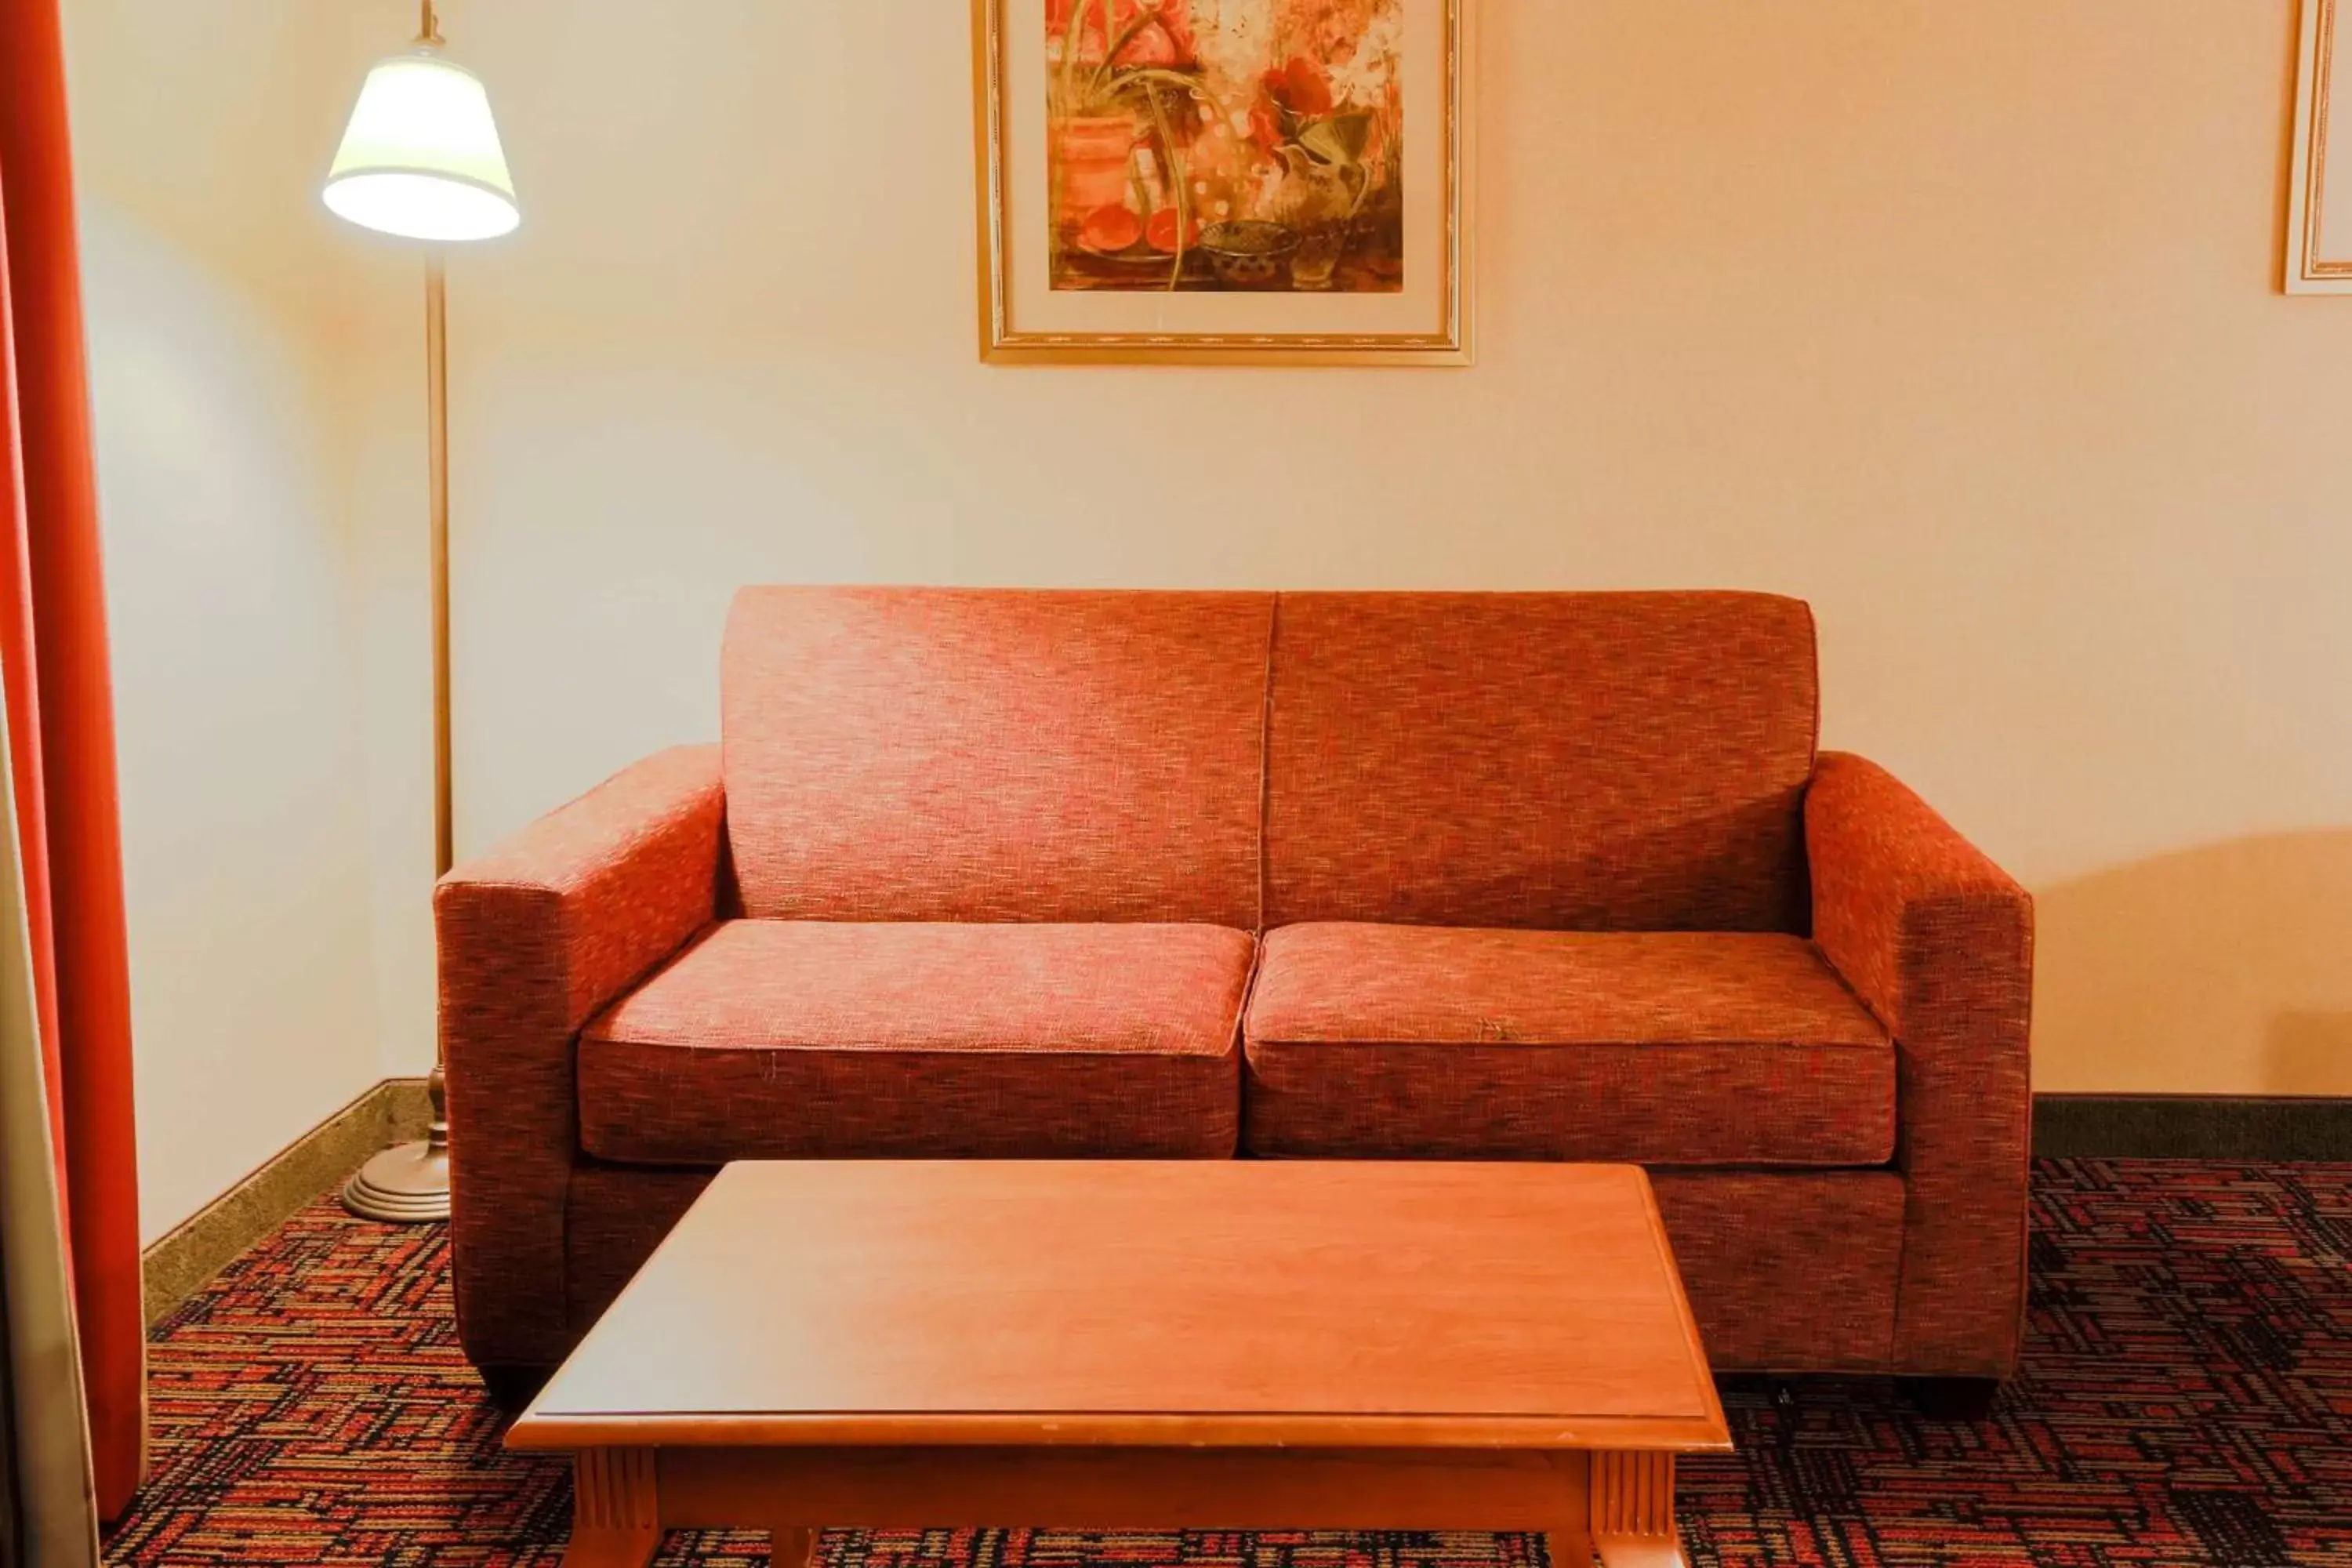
(1176, 875)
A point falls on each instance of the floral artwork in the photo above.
(1252, 146)
(1226, 182)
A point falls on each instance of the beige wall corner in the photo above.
(180, 1262)
(200, 131)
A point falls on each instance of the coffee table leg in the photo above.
(1634, 1511)
(615, 1509)
(1568, 1548)
(791, 1546)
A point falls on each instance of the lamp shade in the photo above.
(420, 156)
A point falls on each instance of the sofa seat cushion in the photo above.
(1667, 1048)
(778, 1040)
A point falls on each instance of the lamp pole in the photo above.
(437, 404)
(411, 1181)
(420, 158)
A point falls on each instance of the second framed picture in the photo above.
(1252, 180)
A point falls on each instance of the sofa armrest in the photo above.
(1938, 941)
(534, 937)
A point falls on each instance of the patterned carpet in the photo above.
(2186, 1398)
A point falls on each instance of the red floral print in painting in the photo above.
(1225, 144)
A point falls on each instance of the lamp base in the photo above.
(407, 1184)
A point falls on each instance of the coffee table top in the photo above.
(1149, 1302)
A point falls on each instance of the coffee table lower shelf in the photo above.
(1616, 1505)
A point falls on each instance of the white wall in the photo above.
(252, 976)
(1957, 319)
(231, 594)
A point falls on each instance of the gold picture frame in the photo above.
(2315, 216)
(1443, 235)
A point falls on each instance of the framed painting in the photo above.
(1243, 180)
(2319, 209)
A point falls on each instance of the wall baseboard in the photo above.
(179, 1262)
(2191, 1127)
(2065, 1126)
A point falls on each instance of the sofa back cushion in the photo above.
(948, 755)
(1593, 762)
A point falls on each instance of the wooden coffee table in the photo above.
(1142, 1344)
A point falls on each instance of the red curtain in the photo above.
(62, 735)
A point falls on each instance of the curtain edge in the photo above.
(55, 1488)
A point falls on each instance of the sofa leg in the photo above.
(512, 1387)
(1952, 1398)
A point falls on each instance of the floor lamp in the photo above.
(421, 158)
